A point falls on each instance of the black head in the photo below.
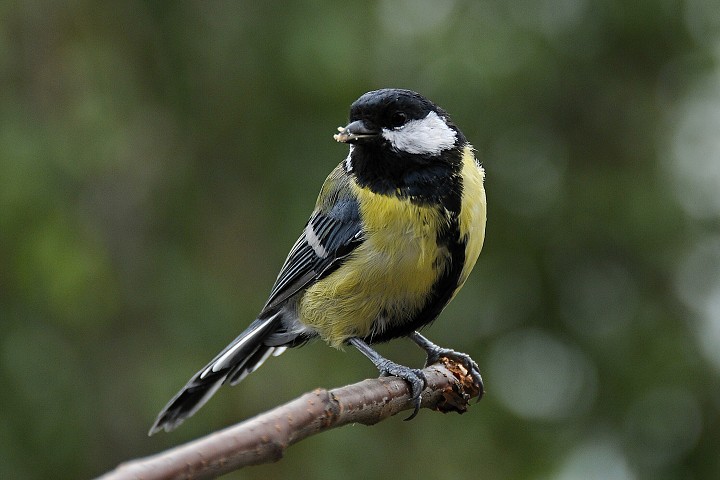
(402, 120)
(403, 144)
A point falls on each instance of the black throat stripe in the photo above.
(424, 179)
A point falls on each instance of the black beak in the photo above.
(354, 132)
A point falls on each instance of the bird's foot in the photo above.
(435, 353)
(463, 359)
(414, 377)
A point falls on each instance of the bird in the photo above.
(396, 229)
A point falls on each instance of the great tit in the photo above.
(396, 230)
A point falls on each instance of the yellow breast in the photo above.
(391, 274)
(473, 213)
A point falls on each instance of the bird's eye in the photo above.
(398, 119)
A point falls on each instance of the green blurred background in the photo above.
(158, 159)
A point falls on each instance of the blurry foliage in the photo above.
(157, 160)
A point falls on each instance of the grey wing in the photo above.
(328, 238)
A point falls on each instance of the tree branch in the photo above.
(266, 437)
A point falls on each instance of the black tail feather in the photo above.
(235, 362)
(187, 401)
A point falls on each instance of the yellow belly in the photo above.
(391, 274)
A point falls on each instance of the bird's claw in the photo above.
(414, 377)
(463, 359)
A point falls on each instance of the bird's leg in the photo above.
(415, 378)
(434, 353)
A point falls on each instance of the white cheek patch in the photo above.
(427, 136)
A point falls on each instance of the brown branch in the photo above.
(266, 437)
